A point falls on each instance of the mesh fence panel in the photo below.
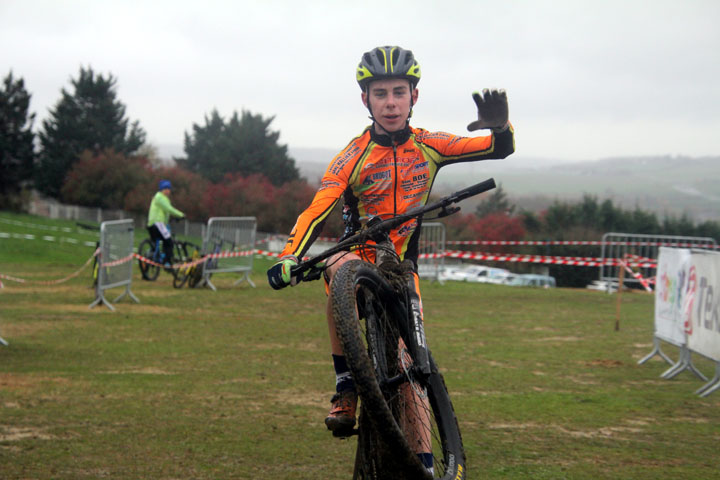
(432, 250)
(115, 260)
(617, 245)
(230, 241)
(116, 248)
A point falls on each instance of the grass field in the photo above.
(234, 384)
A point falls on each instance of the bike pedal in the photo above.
(343, 433)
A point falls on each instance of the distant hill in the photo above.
(666, 185)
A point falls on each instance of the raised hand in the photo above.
(492, 105)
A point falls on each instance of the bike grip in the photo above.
(297, 271)
(472, 190)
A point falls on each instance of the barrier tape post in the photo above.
(621, 284)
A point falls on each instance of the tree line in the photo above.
(87, 152)
(495, 218)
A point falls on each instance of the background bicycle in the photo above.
(153, 251)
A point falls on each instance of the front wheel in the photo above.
(146, 249)
(405, 412)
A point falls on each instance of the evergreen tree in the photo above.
(89, 118)
(496, 202)
(17, 153)
(243, 145)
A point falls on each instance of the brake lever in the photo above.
(313, 274)
(447, 211)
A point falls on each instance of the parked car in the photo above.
(532, 280)
(462, 273)
(456, 274)
(489, 275)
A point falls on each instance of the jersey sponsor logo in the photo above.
(420, 165)
(434, 136)
(414, 195)
(341, 160)
(454, 141)
(380, 163)
(374, 177)
(328, 184)
(405, 161)
(376, 180)
(407, 229)
(373, 199)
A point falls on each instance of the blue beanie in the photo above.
(164, 184)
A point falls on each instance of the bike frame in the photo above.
(412, 329)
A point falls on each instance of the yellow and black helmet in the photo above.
(387, 62)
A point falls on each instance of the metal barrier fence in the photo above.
(618, 245)
(432, 250)
(114, 262)
(230, 242)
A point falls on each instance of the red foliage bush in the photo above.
(103, 179)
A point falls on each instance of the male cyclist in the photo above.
(159, 216)
(387, 170)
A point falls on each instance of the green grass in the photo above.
(235, 383)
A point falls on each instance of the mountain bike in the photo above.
(380, 327)
(153, 251)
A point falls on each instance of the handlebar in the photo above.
(384, 226)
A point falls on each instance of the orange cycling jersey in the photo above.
(380, 175)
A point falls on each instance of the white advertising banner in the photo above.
(671, 291)
(703, 330)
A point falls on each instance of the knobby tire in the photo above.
(147, 250)
(363, 309)
(180, 275)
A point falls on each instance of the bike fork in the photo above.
(422, 359)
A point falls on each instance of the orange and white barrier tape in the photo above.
(203, 259)
(51, 282)
(637, 276)
(634, 261)
(579, 242)
(521, 258)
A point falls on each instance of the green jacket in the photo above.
(161, 209)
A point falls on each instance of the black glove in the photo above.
(279, 274)
(492, 107)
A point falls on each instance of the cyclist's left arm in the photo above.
(450, 148)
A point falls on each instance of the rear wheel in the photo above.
(146, 249)
(401, 411)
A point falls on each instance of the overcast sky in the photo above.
(585, 79)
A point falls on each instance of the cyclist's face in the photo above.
(390, 102)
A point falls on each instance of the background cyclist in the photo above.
(386, 170)
(159, 217)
